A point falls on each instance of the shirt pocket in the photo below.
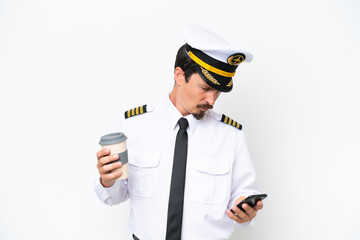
(210, 180)
(143, 171)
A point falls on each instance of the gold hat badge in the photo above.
(236, 59)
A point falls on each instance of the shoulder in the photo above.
(135, 118)
(222, 119)
(226, 120)
(137, 111)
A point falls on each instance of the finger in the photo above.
(108, 159)
(259, 205)
(240, 213)
(251, 212)
(103, 152)
(234, 217)
(239, 200)
(111, 176)
(109, 167)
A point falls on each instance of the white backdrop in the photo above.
(69, 68)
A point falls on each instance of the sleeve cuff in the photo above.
(246, 224)
(105, 194)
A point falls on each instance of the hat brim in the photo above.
(218, 82)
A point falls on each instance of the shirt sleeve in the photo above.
(243, 176)
(118, 192)
(113, 195)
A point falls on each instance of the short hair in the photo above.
(185, 63)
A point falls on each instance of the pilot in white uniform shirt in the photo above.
(219, 171)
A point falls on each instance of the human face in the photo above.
(197, 96)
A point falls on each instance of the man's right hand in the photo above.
(107, 177)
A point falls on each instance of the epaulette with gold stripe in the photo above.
(135, 111)
(227, 120)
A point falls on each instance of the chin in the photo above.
(199, 115)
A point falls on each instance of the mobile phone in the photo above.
(250, 200)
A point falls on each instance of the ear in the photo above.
(179, 76)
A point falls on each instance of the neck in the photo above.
(174, 98)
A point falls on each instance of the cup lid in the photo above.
(112, 138)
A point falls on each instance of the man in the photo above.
(185, 175)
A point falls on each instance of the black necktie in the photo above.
(176, 199)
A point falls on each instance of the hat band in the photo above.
(209, 67)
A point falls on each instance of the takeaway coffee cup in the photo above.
(116, 142)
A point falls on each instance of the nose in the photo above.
(211, 97)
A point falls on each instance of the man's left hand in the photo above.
(248, 215)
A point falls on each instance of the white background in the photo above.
(69, 68)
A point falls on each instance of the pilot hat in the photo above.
(216, 60)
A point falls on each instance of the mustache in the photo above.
(208, 106)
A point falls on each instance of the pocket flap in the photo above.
(215, 166)
(144, 159)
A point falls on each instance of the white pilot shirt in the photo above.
(219, 170)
